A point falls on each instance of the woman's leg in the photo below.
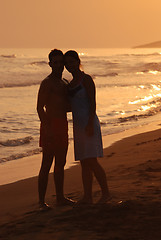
(100, 175)
(87, 178)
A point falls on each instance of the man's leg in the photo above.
(60, 160)
(47, 160)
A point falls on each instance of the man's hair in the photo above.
(55, 52)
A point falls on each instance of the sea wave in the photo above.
(16, 142)
(152, 66)
(141, 54)
(30, 82)
(8, 56)
(114, 119)
(21, 155)
(22, 84)
(39, 63)
(99, 61)
(112, 74)
(137, 117)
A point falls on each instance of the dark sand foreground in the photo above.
(133, 167)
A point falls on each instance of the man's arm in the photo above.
(41, 103)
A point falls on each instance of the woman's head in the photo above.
(72, 61)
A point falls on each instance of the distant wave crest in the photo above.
(133, 117)
(142, 54)
(22, 84)
(112, 74)
(16, 142)
(20, 155)
(136, 117)
(8, 56)
(38, 63)
(153, 66)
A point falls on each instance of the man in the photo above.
(52, 108)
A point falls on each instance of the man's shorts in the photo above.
(54, 140)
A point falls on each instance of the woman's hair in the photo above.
(74, 54)
(55, 52)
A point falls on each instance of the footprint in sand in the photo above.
(110, 155)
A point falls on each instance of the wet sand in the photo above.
(133, 168)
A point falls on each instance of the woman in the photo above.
(86, 128)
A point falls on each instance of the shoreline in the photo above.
(132, 166)
(27, 167)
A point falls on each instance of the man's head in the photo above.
(56, 60)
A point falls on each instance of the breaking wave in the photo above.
(20, 155)
(112, 74)
(152, 66)
(137, 117)
(38, 63)
(8, 56)
(22, 84)
(142, 54)
(16, 142)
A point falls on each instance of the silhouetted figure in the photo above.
(86, 128)
(52, 108)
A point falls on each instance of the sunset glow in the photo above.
(45, 23)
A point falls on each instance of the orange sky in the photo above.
(79, 23)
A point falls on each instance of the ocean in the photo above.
(128, 93)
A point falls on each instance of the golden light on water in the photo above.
(145, 108)
(139, 73)
(156, 87)
(153, 72)
(122, 112)
(150, 71)
(142, 99)
(147, 98)
(81, 54)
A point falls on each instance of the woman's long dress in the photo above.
(84, 146)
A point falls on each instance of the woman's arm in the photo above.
(91, 92)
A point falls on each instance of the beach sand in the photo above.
(133, 168)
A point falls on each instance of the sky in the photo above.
(79, 24)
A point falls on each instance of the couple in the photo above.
(55, 99)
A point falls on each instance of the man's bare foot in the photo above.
(104, 199)
(44, 207)
(65, 202)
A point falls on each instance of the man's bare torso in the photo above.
(55, 97)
